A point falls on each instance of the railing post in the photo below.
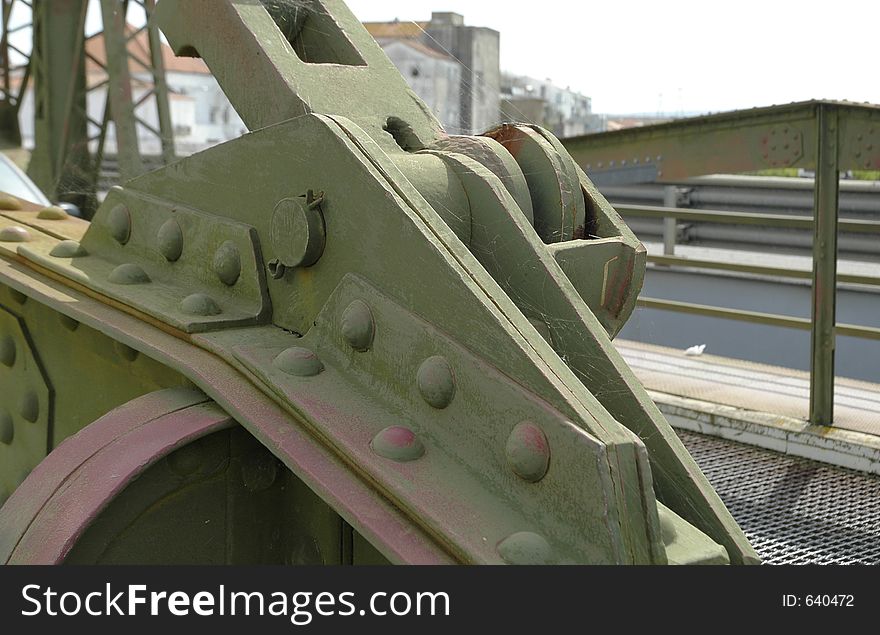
(670, 199)
(825, 214)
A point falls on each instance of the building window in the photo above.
(415, 72)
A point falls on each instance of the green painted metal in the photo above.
(824, 267)
(14, 77)
(60, 163)
(119, 89)
(160, 86)
(823, 135)
(398, 302)
(729, 143)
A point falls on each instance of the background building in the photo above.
(454, 68)
(200, 112)
(564, 112)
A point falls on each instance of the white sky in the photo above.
(677, 55)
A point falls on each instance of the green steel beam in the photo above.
(60, 163)
(824, 267)
(160, 86)
(733, 142)
(119, 88)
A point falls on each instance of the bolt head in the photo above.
(358, 326)
(169, 239)
(7, 350)
(528, 452)
(119, 224)
(14, 234)
(227, 263)
(398, 444)
(68, 249)
(299, 362)
(525, 547)
(200, 304)
(436, 382)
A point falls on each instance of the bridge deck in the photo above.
(750, 386)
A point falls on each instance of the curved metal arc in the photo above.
(60, 499)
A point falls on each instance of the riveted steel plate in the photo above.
(207, 273)
(25, 405)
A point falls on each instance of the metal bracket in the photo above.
(191, 269)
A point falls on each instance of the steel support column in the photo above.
(824, 267)
(670, 200)
(14, 77)
(60, 162)
(119, 87)
(160, 87)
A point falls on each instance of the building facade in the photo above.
(562, 111)
(465, 91)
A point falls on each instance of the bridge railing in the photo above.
(820, 383)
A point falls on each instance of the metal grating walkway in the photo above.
(793, 510)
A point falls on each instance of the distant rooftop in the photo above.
(139, 47)
(395, 30)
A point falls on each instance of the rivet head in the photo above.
(200, 304)
(68, 249)
(528, 452)
(398, 444)
(7, 428)
(436, 382)
(68, 322)
(17, 296)
(53, 212)
(119, 224)
(14, 234)
(227, 263)
(259, 471)
(30, 407)
(186, 461)
(358, 326)
(125, 352)
(9, 202)
(298, 361)
(525, 547)
(7, 350)
(298, 232)
(169, 239)
(128, 273)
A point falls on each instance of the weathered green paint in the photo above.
(406, 346)
(824, 267)
(60, 163)
(729, 143)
